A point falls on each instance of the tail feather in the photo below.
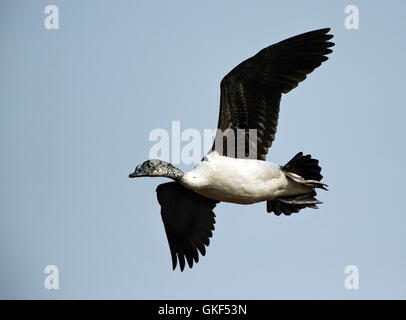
(309, 183)
(304, 170)
(304, 166)
(289, 205)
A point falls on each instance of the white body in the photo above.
(242, 181)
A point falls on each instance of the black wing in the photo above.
(189, 221)
(251, 92)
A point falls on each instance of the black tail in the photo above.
(304, 166)
(304, 170)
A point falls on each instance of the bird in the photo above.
(250, 96)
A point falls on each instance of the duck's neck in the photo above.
(173, 173)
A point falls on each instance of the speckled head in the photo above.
(156, 168)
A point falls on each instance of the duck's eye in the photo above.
(153, 163)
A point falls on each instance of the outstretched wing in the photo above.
(251, 92)
(189, 221)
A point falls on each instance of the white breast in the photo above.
(241, 181)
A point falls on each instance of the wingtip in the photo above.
(182, 267)
(321, 31)
(325, 33)
(325, 30)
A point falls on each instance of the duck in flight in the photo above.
(249, 102)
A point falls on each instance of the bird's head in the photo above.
(156, 168)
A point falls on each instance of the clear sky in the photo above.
(77, 105)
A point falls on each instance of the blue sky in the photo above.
(78, 104)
